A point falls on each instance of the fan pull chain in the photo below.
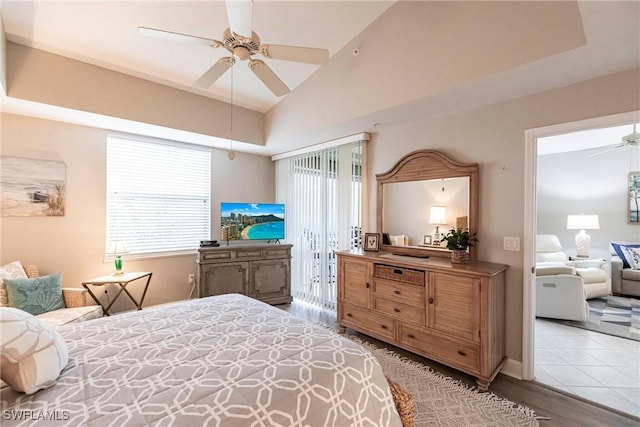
(231, 154)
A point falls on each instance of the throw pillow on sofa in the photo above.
(36, 296)
(32, 353)
(13, 270)
(619, 249)
(632, 257)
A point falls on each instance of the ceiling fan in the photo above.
(243, 44)
(631, 140)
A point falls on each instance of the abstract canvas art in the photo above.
(32, 187)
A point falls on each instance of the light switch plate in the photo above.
(511, 244)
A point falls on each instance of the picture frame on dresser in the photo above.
(372, 242)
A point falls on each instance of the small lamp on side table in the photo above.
(583, 240)
(437, 217)
(118, 248)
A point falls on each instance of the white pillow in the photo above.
(32, 353)
(632, 255)
(13, 270)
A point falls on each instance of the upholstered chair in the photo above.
(563, 285)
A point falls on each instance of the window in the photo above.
(158, 195)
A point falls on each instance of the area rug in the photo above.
(612, 315)
(443, 401)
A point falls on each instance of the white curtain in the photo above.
(323, 196)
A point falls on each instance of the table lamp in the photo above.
(117, 248)
(583, 240)
(437, 217)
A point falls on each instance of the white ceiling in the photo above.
(592, 141)
(104, 33)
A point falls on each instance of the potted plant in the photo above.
(458, 242)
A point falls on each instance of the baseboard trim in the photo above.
(512, 368)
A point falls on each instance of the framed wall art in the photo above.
(634, 197)
(32, 187)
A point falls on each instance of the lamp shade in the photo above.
(118, 247)
(437, 215)
(583, 222)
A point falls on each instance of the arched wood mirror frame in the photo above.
(427, 165)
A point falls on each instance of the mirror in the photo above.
(407, 194)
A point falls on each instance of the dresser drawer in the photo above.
(409, 294)
(457, 354)
(399, 274)
(275, 253)
(256, 253)
(214, 255)
(366, 321)
(400, 311)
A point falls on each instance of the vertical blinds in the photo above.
(158, 195)
(323, 192)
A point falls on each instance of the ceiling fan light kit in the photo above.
(242, 48)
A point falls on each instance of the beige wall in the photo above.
(494, 137)
(39, 76)
(74, 244)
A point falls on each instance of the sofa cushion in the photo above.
(32, 353)
(13, 270)
(618, 249)
(69, 315)
(37, 295)
(629, 274)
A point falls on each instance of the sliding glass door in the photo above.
(322, 192)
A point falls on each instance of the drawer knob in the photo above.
(384, 326)
(396, 271)
(366, 285)
(397, 310)
(397, 292)
(349, 315)
(430, 300)
(411, 336)
(462, 353)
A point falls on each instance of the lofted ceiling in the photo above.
(469, 70)
(105, 33)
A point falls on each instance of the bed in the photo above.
(227, 360)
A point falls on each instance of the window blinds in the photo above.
(158, 195)
(322, 191)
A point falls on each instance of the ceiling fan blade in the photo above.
(215, 72)
(169, 35)
(240, 15)
(308, 55)
(268, 77)
(606, 150)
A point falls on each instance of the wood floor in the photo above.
(553, 408)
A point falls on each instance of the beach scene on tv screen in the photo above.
(251, 221)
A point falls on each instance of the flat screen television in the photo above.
(251, 221)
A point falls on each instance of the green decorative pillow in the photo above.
(36, 296)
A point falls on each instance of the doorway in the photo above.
(534, 139)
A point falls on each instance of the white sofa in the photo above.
(563, 285)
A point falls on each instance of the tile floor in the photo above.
(597, 367)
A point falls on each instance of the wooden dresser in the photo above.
(450, 313)
(261, 271)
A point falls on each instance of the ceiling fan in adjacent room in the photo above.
(631, 140)
(243, 44)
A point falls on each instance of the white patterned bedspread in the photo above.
(223, 361)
